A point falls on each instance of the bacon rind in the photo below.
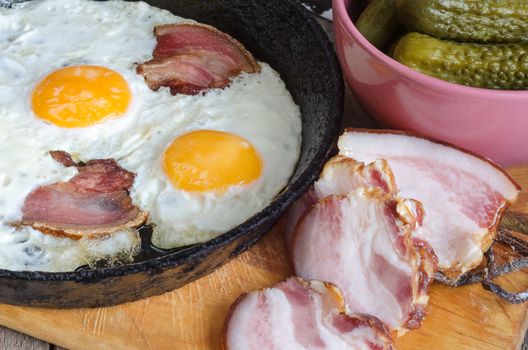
(330, 295)
(89, 232)
(98, 184)
(428, 265)
(189, 66)
(419, 256)
(457, 269)
(424, 260)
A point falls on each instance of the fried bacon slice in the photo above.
(93, 203)
(297, 314)
(363, 243)
(463, 195)
(190, 58)
(341, 175)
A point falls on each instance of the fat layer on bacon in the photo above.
(363, 243)
(463, 195)
(341, 175)
(296, 314)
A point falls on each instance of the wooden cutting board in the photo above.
(192, 317)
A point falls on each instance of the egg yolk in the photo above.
(81, 96)
(208, 160)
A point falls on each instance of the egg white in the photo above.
(40, 38)
(257, 107)
(26, 249)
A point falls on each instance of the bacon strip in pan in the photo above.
(93, 203)
(190, 58)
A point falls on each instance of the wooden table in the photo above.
(354, 116)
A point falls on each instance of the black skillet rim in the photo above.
(271, 212)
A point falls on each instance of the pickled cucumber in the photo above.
(483, 21)
(495, 66)
(378, 23)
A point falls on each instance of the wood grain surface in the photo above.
(192, 317)
(11, 340)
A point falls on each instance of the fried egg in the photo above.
(237, 151)
(203, 164)
(80, 96)
(67, 74)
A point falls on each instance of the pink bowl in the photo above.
(493, 123)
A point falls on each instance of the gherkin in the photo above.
(494, 66)
(480, 21)
(378, 23)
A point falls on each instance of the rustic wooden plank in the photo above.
(12, 340)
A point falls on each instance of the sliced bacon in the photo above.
(464, 195)
(178, 39)
(296, 314)
(191, 57)
(341, 175)
(93, 203)
(188, 74)
(363, 243)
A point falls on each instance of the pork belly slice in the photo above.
(177, 39)
(297, 314)
(188, 74)
(190, 58)
(93, 203)
(340, 175)
(363, 243)
(464, 195)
